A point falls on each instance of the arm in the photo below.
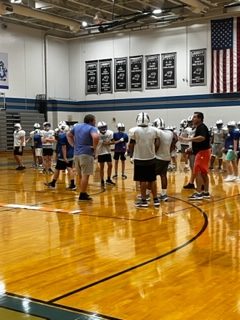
(70, 138)
(95, 138)
(131, 147)
(193, 139)
(64, 152)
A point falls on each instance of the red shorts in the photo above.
(201, 162)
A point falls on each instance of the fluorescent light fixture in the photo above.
(16, 1)
(84, 24)
(157, 11)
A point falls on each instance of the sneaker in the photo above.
(156, 202)
(141, 204)
(115, 176)
(84, 197)
(196, 196)
(20, 168)
(148, 197)
(44, 171)
(230, 178)
(50, 170)
(110, 182)
(72, 187)
(50, 185)
(189, 186)
(163, 197)
(206, 195)
(102, 184)
(124, 176)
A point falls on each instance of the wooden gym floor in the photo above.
(64, 260)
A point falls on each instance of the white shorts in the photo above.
(38, 152)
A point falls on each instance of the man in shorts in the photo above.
(84, 138)
(144, 140)
(19, 143)
(202, 151)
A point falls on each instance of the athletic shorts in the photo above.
(47, 151)
(16, 151)
(161, 167)
(120, 155)
(201, 163)
(217, 150)
(84, 164)
(144, 170)
(38, 152)
(231, 155)
(62, 165)
(105, 158)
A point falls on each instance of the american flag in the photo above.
(225, 36)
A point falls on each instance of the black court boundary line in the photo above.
(140, 264)
(60, 306)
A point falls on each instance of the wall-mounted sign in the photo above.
(92, 77)
(121, 74)
(4, 70)
(136, 73)
(198, 67)
(169, 70)
(105, 67)
(152, 71)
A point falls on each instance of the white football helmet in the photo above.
(62, 125)
(190, 118)
(159, 123)
(17, 126)
(142, 119)
(102, 126)
(121, 126)
(219, 123)
(36, 126)
(231, 124)
(46, 125)
(183, 123)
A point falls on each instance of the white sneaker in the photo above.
(230, 178)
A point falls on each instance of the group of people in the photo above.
(150, 145)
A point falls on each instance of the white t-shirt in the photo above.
(185, 133)
(104, 137)
(144, 137)
(163, 152)
(47, 134)
(17, 135)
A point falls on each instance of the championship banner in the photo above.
(169, 70)
(3, 70)
(152, 72)
(105, 71)
(136, 72)
(198, 67)
(92, 77)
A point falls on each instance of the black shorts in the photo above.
(105, 158)
(16, 151)
(62, 165)
(184, 147)
(144, 170)
(161, 167)
(120, 155)
(47, 151)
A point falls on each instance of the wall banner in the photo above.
(198, 67)
(121, 74)
(136, 73)
(91, 77)
(152, 72)
(4, 71)
(105, 70)
(169, 70)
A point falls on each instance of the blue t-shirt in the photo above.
(37, 139)
(62, 141)
(83, 142)
(231, 136)
(121, 146)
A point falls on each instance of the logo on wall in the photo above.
(3, 70)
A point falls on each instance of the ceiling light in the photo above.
(16, 1)
(84, 24)
(157, 11)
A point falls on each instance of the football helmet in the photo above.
(46, 125)
(142, 119)
(36, 126)
(183, 123)
(62, 125)
(121, 126)
(190, 118)
(159, 123)
(231, 124)
(17, 126)
(219, 123)
(102, 126)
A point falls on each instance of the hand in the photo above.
(121, 140)
(131, 160)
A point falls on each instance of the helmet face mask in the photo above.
(231, 125)
(102, 127)
(46, 125)
(62, 125)
(183, 123)
(143, 119)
